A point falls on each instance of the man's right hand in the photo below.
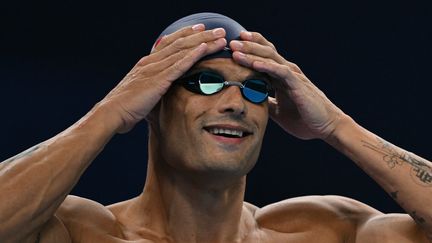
(38, 180)
(141, 89)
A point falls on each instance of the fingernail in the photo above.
(201, 46)
(219, 32)
(221, 41)
(236, 44)
(198, 27)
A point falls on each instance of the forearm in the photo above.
(405, 176)
(34, 183)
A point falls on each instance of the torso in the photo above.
(305, 219)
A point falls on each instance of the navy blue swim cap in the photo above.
(211, 21)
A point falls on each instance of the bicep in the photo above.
(384, 228)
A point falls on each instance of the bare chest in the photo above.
(259, 236)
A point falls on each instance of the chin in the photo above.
(224, 166)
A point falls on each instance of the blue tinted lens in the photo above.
(210, 83)
(255, 90)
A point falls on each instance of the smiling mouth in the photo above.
(227, 132)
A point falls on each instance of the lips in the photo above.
(228, 131)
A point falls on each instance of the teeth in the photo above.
(222, 131)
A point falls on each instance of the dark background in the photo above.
(58, 58)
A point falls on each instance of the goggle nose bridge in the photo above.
(233, 83)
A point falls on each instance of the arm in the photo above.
(404, 175)
(34, 183)
(302, 110)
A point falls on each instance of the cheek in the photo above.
(194, 108)
(261, 116)
(170, 116)
(178, 116)
(180, 130)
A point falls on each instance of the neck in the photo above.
(185, 208)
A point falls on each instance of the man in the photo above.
(205, 136)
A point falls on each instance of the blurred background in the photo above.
(371, 58)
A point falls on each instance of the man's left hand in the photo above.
(299, 107)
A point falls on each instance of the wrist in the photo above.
(102, 117)
(344, 125)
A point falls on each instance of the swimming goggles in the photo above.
(208, 83)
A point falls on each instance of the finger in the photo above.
(284, 77)
(182, 65)
(212, 46)
(254, 48)
(264, 51)
(247, 60)
(256, 37)
(186, 42)
(185, 31)
(178, 65)
(195, 39)
(157, 67)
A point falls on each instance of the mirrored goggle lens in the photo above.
(255, 90)
(210, 83)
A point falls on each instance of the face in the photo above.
(196, 131)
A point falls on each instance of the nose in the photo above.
(231, 101)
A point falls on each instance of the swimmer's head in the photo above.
(211, 21)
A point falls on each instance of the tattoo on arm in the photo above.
(419, 219)
(421, 172)
(421, 222)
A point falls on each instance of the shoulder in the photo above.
(329, 206)
(338, 217)
(80, 215)
(318, 212)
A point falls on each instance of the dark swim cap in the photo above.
(211, 21)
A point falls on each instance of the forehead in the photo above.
(226, 67)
